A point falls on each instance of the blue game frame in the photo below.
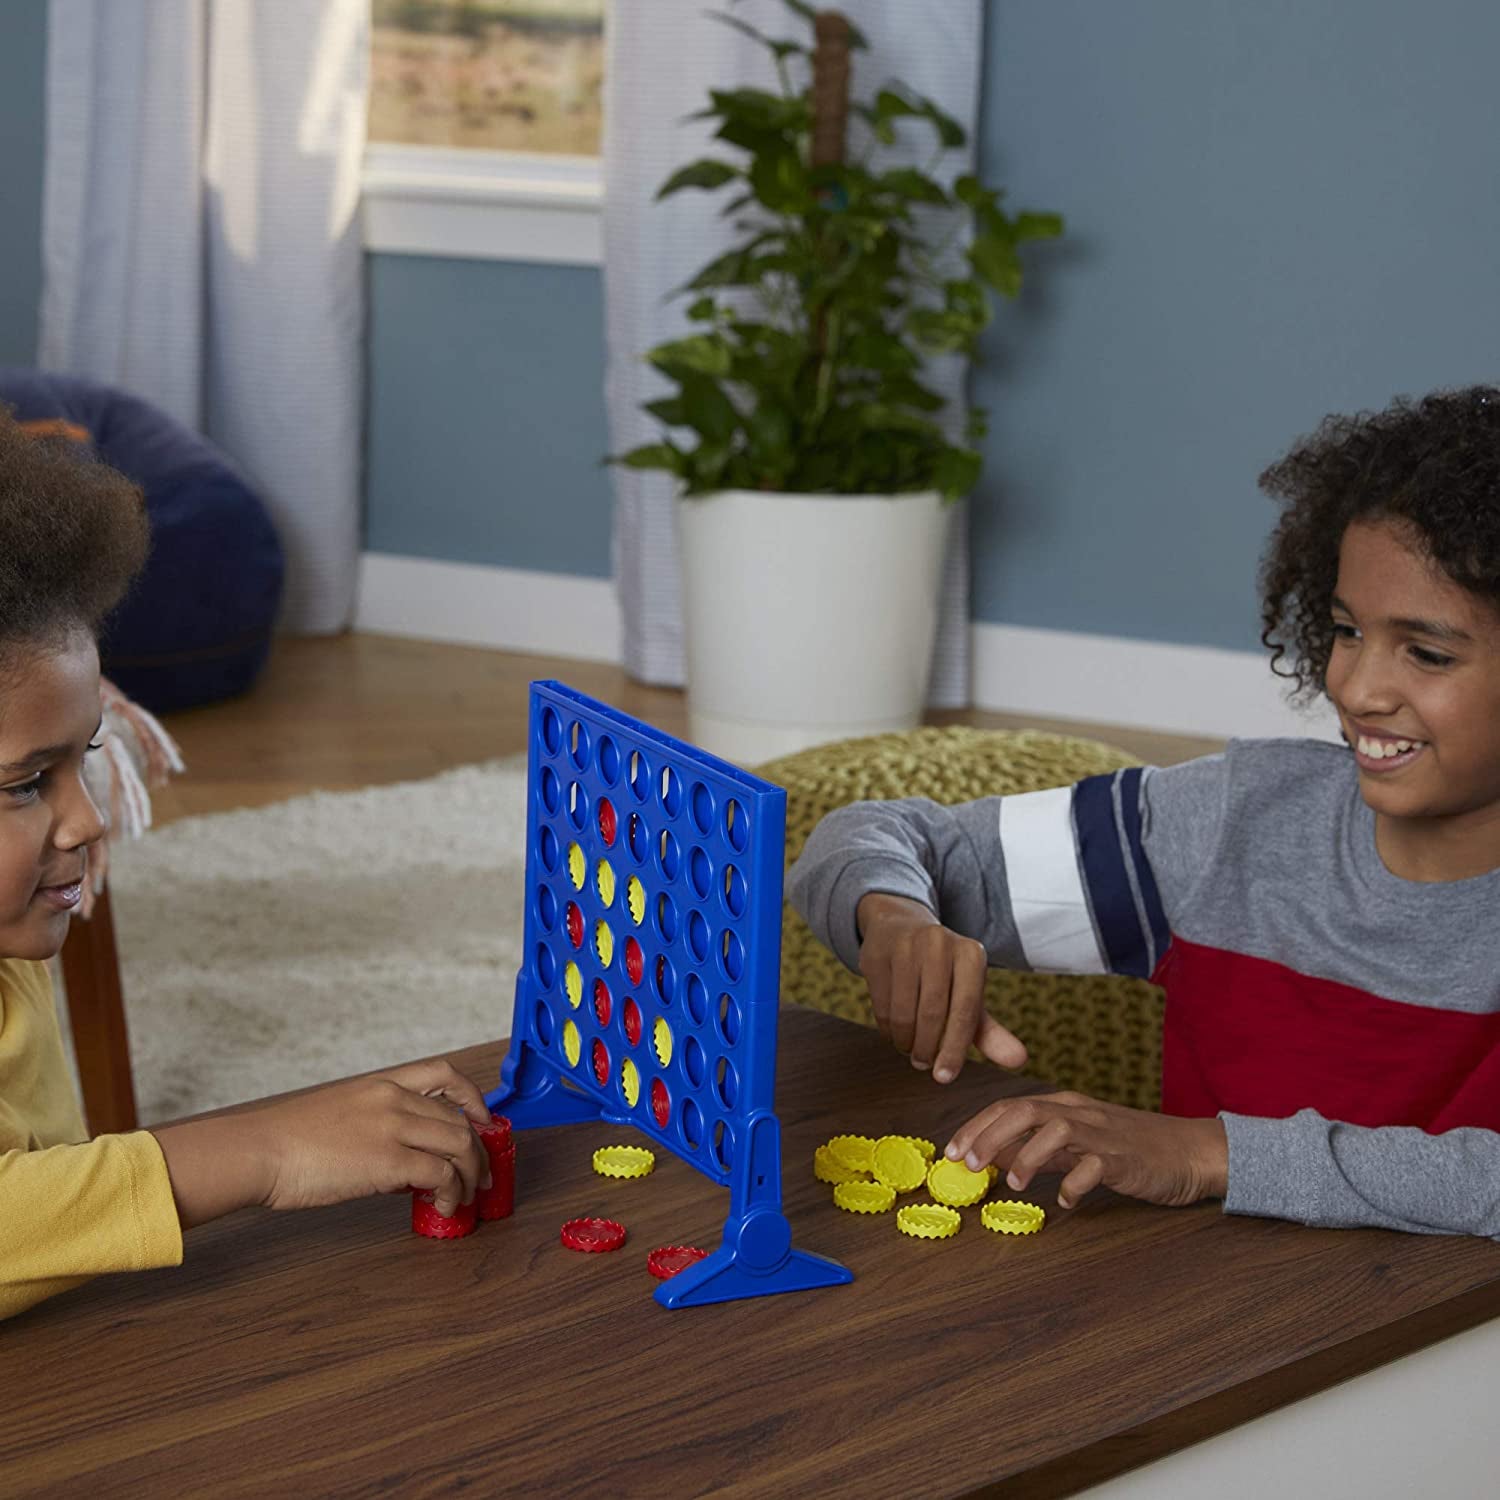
(607, 966)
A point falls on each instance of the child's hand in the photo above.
(1158, 1158)
(406, 1128)
(927, 987)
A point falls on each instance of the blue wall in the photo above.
(1275, 210)
(23, 60)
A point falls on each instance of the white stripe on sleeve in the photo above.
(1046, 889)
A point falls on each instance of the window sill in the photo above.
(482, 205)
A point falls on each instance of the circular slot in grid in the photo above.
(698, 935)
(661, 1103)
(573, 984)
(638, 839)
(701, 803)
(574, 919)
(661, 1041)
(635, 901)
(546, 966)
(550, 790)
(609, 759)
(694, 1062)
(631, 1019)
(732, 954)
(692, 1124)
(609, 825)
(671, 791)
(700, 872)
(578, 866)
(668, 855)
(736, 826)
(729, 1020)
(723, 1144)
(578, 744)
(734, 891)
(572, 1043)
(640, 776)
(604, 943)
(551, 730)
(599, 1057)
(666, 979)
(604, 882)
(630, 1083)
(666, 918)
(726, 1082)
(547, 845)
(546, 907)
(697, 999)
(635, 961)
(543, 1015)
(578, 805)
(603, 1005)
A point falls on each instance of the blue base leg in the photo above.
(755, 1260)
(530, 1094)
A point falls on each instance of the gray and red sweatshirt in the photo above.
(1342, 1022)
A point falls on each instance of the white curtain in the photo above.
(201, 244)
(662, 60)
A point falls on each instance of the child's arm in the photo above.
(120, 1203)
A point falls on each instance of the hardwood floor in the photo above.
(361, 710)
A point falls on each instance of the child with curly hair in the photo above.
(1322, 918)
(72, 535)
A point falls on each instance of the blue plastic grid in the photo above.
(649, 989)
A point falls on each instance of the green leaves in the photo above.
(803, 368)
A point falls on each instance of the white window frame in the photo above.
(482, 205)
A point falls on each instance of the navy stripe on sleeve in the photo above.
(1156, 916)
(1125, 942)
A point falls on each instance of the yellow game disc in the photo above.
(573, 983)
(953, 1183)
(604, 880)
(898, 1163)
(630, 1082)
(864, 1197)
(661, 1041)
(577, 866)
(635, 900)
(928, 1221)
(572, 1044)
(923, 1145)
(857, 1152)
(828, 1168)
(623, 1161)
(1012, 1217)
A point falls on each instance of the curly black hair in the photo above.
(73, 534)
(1432, 465)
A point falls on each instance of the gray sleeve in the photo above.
(1184, 810)
(1317, 1171)
(948, 858)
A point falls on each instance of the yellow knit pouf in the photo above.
(1099, 1034)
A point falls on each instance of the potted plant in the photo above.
(815, 476)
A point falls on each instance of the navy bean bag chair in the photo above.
(197, 625)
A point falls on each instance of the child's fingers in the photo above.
(1051, 1139)
(965, 1011)
(934, 999)
(970, 1130)
(997, 1043)
(420, 1170)
(902, 999)
(1084, 1178)
(438, 1078)
(451, 1140)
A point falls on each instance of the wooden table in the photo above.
(334, 1353)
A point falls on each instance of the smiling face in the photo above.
(1415, 676)
(49, 714)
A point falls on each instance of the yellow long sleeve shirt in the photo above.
(68, 1210)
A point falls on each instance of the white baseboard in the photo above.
(513, 609)
(1052, 674)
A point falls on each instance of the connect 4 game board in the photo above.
(649, 989)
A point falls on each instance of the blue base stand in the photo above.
(727, 1275)
(533, 1095)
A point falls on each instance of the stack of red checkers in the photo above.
(592, 1235)
(499, 1199)
(666, 1262)
(426, 1220)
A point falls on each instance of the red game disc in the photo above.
(661, 1102)
(670, 1259)
(592, 1235)
(608, 827)
(428, 1222)
(495, 1135)
(635, 961)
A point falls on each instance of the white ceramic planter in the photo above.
(807, 618)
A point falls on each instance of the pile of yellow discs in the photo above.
(867, 1175)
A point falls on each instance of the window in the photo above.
(484, 128)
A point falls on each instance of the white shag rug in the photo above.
(275, 947)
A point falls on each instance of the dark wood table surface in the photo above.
(335, 1353)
